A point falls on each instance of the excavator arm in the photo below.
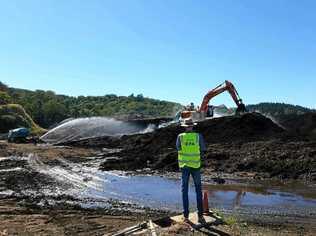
(226, 86)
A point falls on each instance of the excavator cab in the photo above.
(210, 111)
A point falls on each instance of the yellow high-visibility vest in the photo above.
(189, 155)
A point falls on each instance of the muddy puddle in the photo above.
(92, 188)
(248, 197)
(264, 199)
(252, 201)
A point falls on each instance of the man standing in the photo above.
(190, 146)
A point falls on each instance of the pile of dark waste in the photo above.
(303, 125)
(248, 143)
(248, 127)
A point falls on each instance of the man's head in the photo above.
(188, 124)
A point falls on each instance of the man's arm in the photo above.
(202, 143)
(178, 143)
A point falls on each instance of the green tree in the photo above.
(54, 112)
(4, 98)
(48, 108)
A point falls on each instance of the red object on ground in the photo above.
(205, 203)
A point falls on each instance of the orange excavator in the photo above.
(206, 110)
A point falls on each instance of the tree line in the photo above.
(47, 108)
(279, 109)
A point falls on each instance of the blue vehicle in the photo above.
(18, 135)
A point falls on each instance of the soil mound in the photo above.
(157, 149)
(248, 143)
(249, 127)
(300, 125)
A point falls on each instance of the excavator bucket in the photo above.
(241, 109)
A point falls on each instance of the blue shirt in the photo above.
(201, 142)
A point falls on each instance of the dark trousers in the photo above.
(196, 175)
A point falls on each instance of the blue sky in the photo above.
(172, 50)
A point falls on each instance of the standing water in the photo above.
(160, 192)
(248, 199)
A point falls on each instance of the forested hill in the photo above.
(279, 109)
(46, 108)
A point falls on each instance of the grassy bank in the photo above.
(14, 116)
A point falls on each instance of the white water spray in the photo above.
(83, 128)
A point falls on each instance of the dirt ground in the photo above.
(26, 215)
(242, 229)
(19, 220)
(23, 216)
(46, 152)
(250, 146)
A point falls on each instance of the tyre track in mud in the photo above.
(78, 176)
(65, 184)
(34, 199)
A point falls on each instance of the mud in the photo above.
(44, 193)
(62, 190)
(22, 219)
(251, 143)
